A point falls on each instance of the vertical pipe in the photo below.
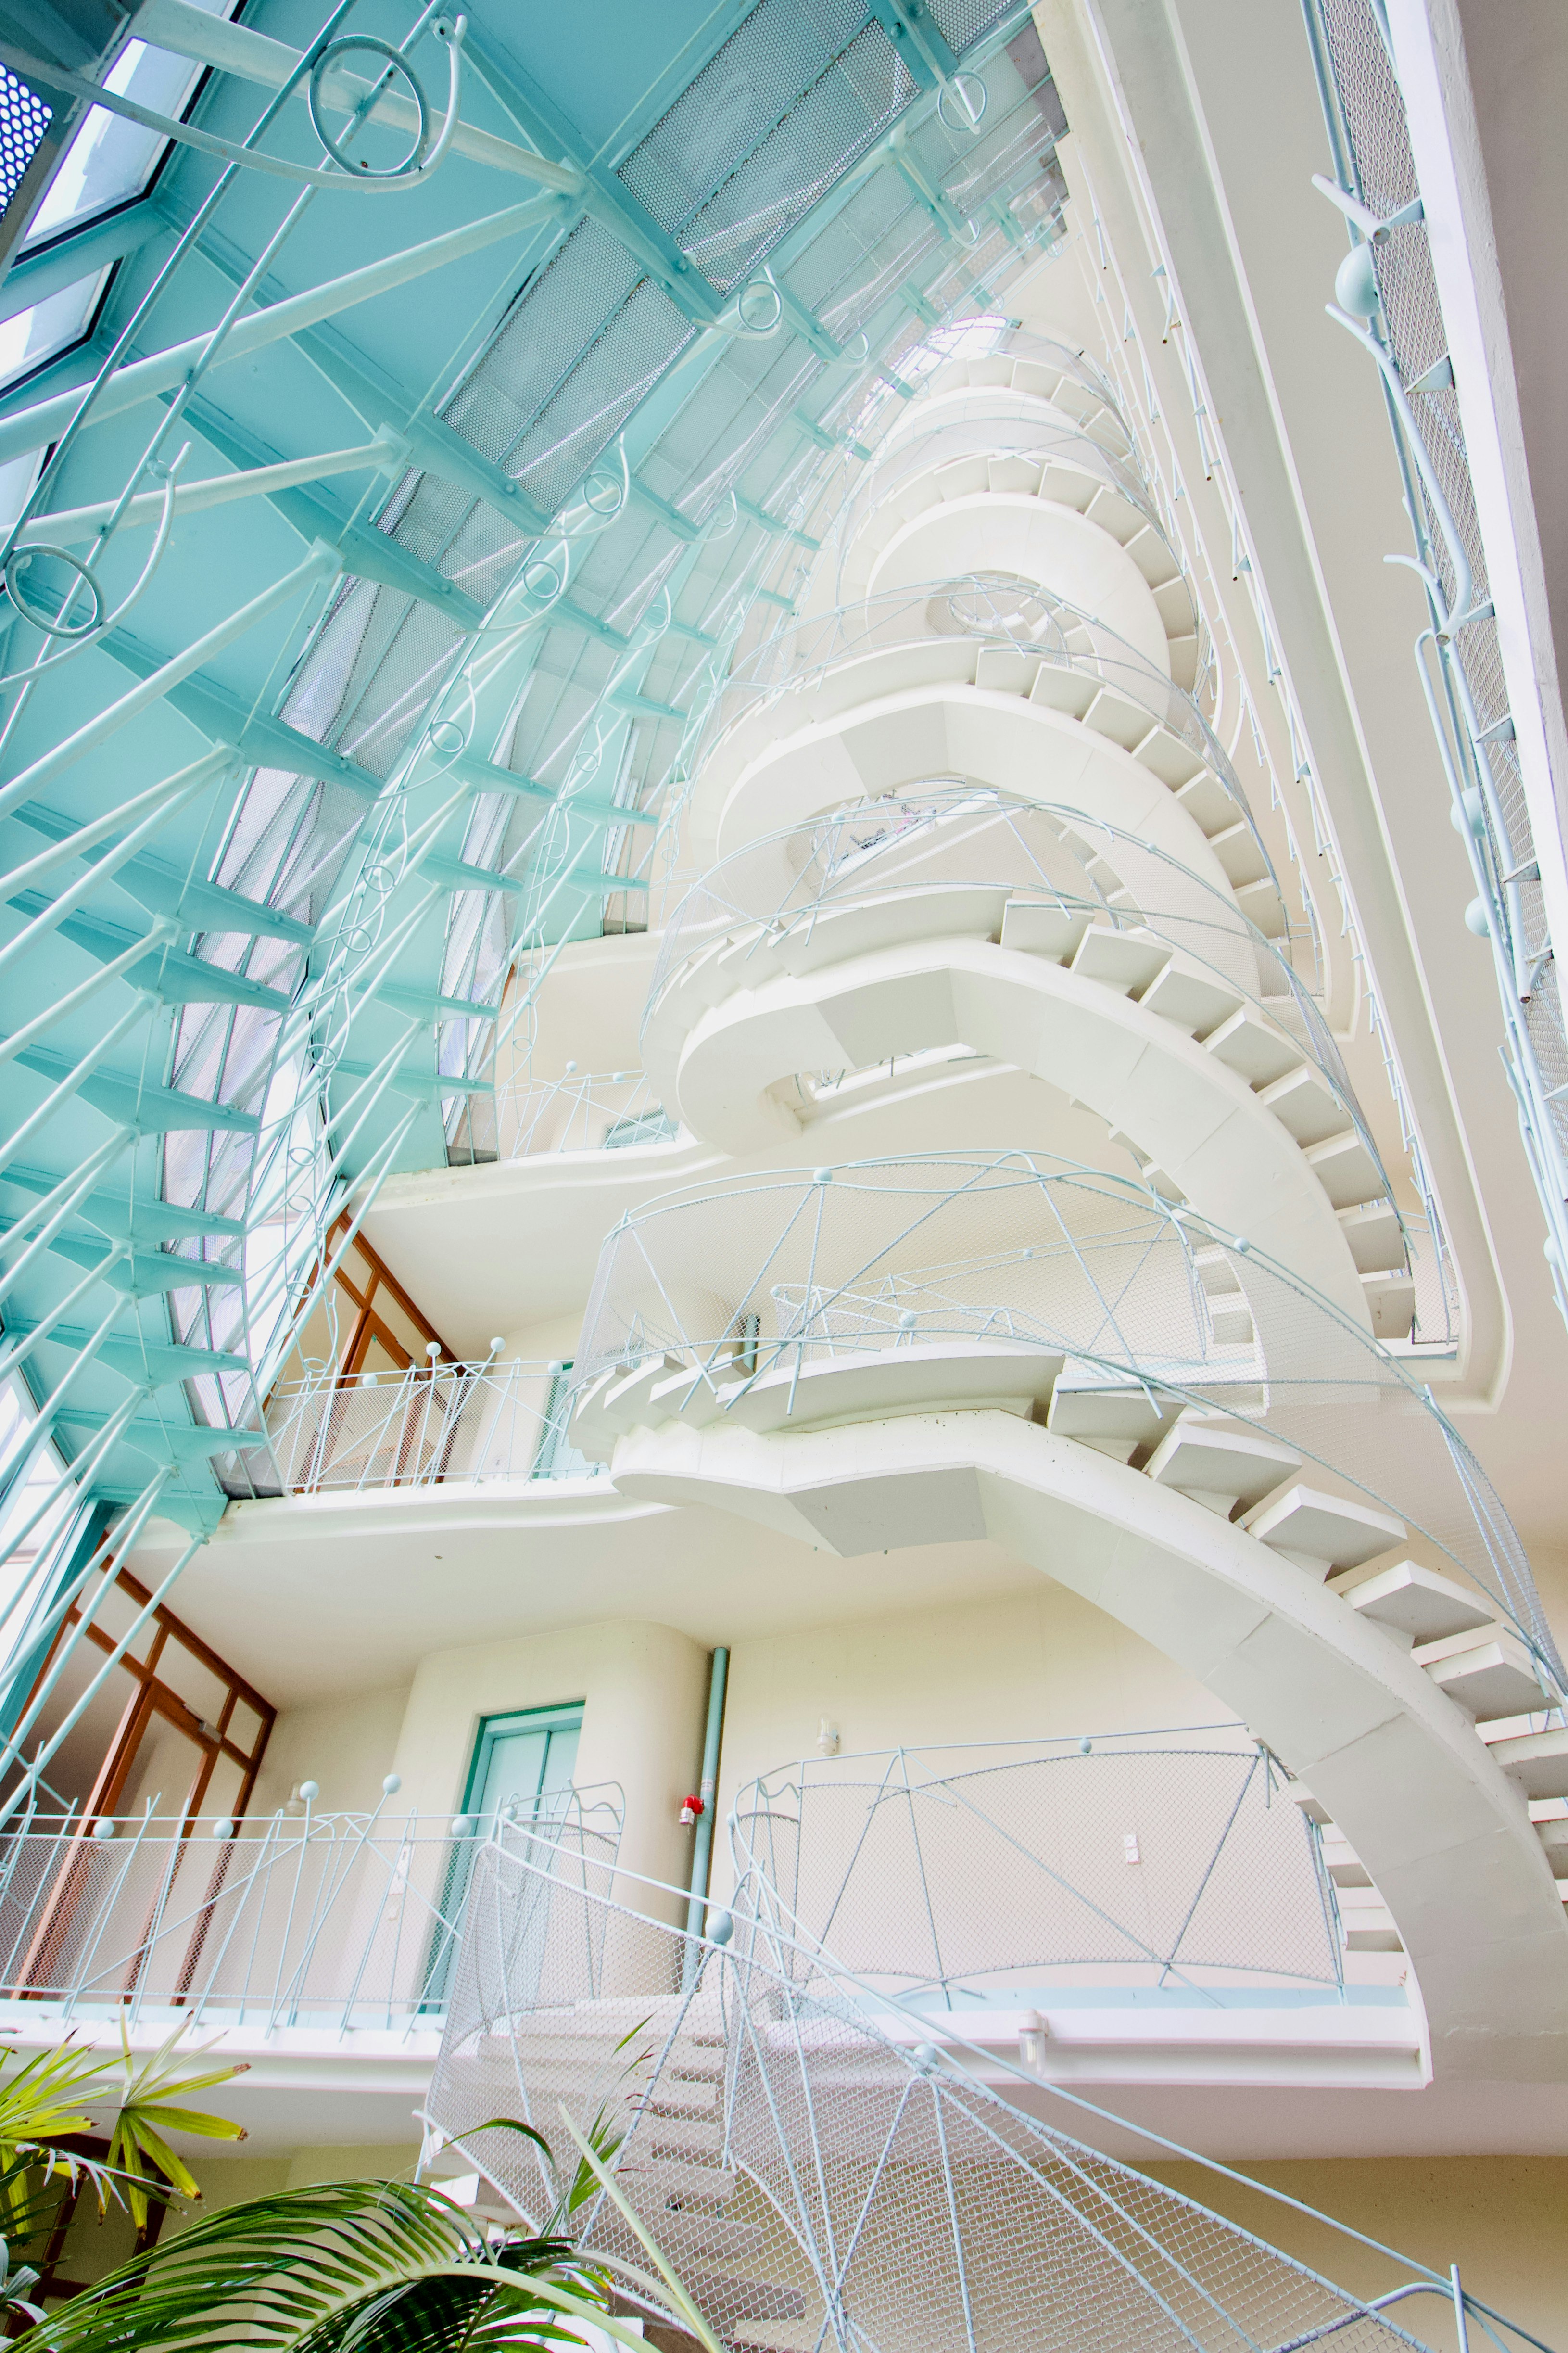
(702, 1845)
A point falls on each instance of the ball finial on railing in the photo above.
(391, 1785)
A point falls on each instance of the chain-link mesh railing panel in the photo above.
(423, 1428)
(815, 2183)
(767, 1279)
(333, 1922)
(1146, 1863)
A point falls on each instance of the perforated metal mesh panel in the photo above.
(23, 119)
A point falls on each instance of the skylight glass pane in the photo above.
(51, 326)
(109, 160)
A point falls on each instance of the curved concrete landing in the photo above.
(1445, 1837)
(1051, 544)
(1197, 1119)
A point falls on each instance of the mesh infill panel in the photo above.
(729, 168)
(961, 22)
(812, 2181)
(23, 119)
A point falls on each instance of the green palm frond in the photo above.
(333, 2268)
(150, 2105)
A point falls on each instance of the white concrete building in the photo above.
(876, 1201)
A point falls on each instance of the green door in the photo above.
(520, 1770)
(521, 1763)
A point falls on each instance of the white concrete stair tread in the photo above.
(1195, 1000)
(1413, 1604)
(1375, 1235)
(1040, 927)
(1341, 1863)
(1304, 1102)
(1368, 1923)
(1114, 1420)
(1125, 961)
(1537, 1762)
(1551, 1828)
(1241, 1465)
(1251, 1046)
(1489, 1674)
(1391, 1304)
(1324, 1531)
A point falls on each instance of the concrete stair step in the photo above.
(1346, 1170)
(1376, 1240)
(1124, 961)
(1115, 1422)
(1207, 802)
(1413, 1604)
(1550, 1819)
(1237, 850)
(1252, 1046)
(1368, 1923)
(1196, 1001)
(1536, 1761)
(1261, 904)
(1321, 1533)
(1489, 1673)
(1391, 1304)
(1341, 1863)
(1111, 715)
(1305, 1104)
(1214, 1459)
(1039, 928)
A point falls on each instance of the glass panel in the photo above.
(111, 159)
(50, 327)
(203, 1691)
(520, 1763)
(163, 1770)
(244, 1727)
(71, 1773)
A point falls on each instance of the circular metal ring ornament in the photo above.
(603, 495)
(857, 357)
(335, 51)
(21, 555)
(541, 580)
(760, 307)
(446, 735)
(967, 110)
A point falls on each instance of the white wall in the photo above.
(644, 1690)
(345, 1746)
(1017, 1666)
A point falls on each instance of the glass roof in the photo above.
(396, 613)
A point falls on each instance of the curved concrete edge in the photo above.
(532, 1505)
(1039, 539)
(951, 728)
(1199, 1121)
(942, 404)
(1445, 1836)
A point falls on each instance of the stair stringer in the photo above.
(1444, 1834)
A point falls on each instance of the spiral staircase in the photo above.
(970, 813)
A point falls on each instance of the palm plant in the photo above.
(363, 2267)
(46, 2103)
